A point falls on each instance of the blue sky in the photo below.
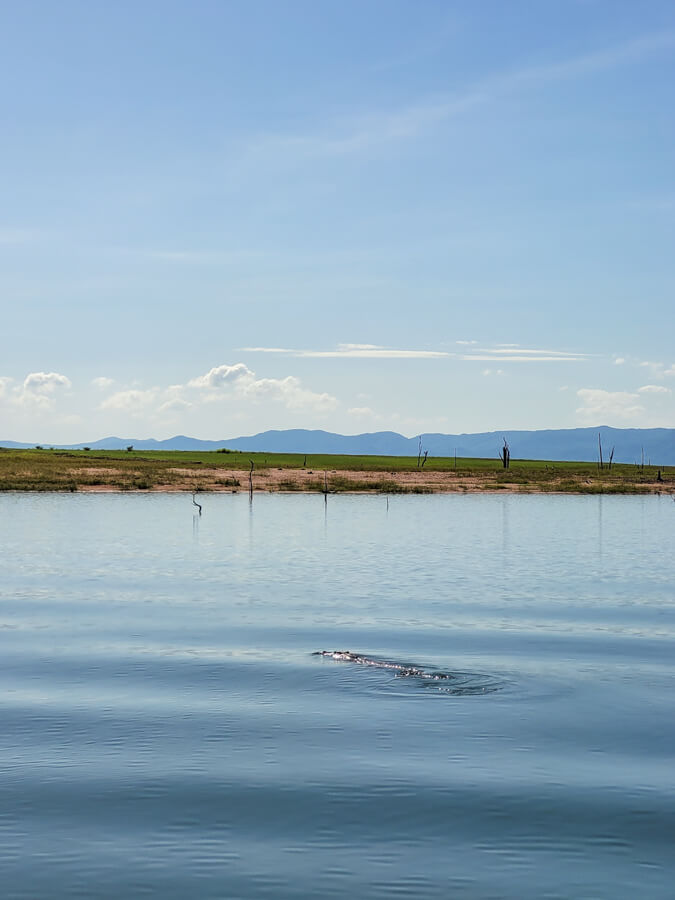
(222, 217)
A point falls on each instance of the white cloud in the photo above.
(243, 381)
(619, 361)
(654, 389)
(45, 382)
(39, 390)
(599, 407)
(361, 411)
(174, 405)
(670, 372)
(219, 376)
(289, 391)
(135, 402)
(221, 384)
(102, 383)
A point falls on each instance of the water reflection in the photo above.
(505, 528)
(166, 682)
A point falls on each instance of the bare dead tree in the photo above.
(600, 463)
(611, 457)
(505, 454)
(419, 451)
(250, 480)
(426, 454)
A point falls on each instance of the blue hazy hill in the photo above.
(571, 444)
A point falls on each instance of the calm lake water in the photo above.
(166, 731)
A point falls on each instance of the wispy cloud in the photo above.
(501, 353)
(654, 389)
(353, 351)
(511, 354)
(359, 134)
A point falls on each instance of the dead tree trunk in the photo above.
(600, 465)
(505, 455)
(250, 480)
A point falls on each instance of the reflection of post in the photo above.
(194, 503)
(600, 527)
(505, 529)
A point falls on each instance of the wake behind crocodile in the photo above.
(455, 682)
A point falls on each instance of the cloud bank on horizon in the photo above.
(482, 193)
(212, 402)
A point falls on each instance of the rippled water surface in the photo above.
(167, 730)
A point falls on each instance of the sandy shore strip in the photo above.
(293, 480)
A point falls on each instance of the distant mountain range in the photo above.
(573, 444)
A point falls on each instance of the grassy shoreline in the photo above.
(162, 470)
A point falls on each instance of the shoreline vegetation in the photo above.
(43, 469)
